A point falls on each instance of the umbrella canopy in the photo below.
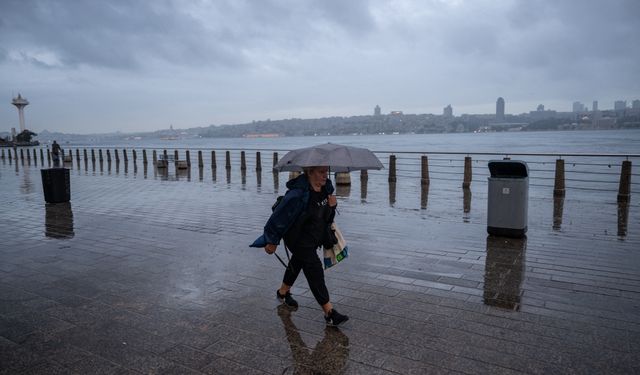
(339, 158)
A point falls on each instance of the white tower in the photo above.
(20, 102)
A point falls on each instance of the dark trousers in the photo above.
(306, 259)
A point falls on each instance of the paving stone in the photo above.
(154, 275)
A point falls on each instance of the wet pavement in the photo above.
(145, 273)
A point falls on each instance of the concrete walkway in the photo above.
(152, 275)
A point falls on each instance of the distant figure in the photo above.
(55, 151)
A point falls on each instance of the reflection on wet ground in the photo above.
(623, 217)
(329, 356)
(58, 220)
(558, 206)
(155, 275)
(504, 271)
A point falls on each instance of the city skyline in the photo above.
(120, 66)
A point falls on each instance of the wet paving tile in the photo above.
(153, 275)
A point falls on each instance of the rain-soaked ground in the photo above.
(142, 273)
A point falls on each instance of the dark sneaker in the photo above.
(335, 318)
(287, 299)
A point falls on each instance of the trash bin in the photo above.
(508, 198)
(56, 185)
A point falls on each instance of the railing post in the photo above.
(154, 157)
(624, 191)
(41, 156)
(3, 153)
(164, 152)
(115, 152)
(200, 161)
(275, 158)
(214, 164)
(135, 155)
(124, 155)
(48, 156)
(243, 161)
(175, 156)
(35, 156)
(108, 156)
(258, 161)
(228, 160)
(188, 157)
(78, 155)
(466, 182)
(558, 186)
(424, 179)
(100, 158)
(93, 155)
(144, 156)
(22, 155)
(392, 168)
(84, 153)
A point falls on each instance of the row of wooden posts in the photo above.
(624, 190)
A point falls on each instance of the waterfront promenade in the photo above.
(154, 275)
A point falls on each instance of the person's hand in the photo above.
(332, 201)
(270, 248)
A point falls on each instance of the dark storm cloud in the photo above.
(123, 34)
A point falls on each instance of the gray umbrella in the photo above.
(337, 157)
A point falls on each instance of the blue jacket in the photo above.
(295, 201)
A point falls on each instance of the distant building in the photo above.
(594, 107)
(541, 114)
(500, 110)
(448, 111)
(620, 105)
(396, 113)
(578, 107)
(635, 104)
(377, 110)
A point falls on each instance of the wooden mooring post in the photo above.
(124, 155)
(466, 182)
(187, 156)
(243, 161)
(108, 156)
(41, 156)
(200, 161)
(558, 185)
(228, 160)
(135, 156)
(100, 157)
(93, 155)
(258, 162)
(424, 176)
(214, 165)
(624, 191)
(275, 159)
(144, 156)
(392, 169)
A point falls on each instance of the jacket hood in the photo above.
(302, 182)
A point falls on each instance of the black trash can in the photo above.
(56, 185)
(508, 198)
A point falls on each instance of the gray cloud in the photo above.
(232, 61)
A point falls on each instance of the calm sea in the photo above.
(556, 142)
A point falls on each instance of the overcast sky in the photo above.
(102, 66)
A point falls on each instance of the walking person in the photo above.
(303, 220)
(55, 152)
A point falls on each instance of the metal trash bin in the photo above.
(508, 198)
(56, 185)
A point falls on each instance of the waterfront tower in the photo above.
(20, 102)
(500, 110)
(377, 111)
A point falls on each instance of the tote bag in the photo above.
(339, 251)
